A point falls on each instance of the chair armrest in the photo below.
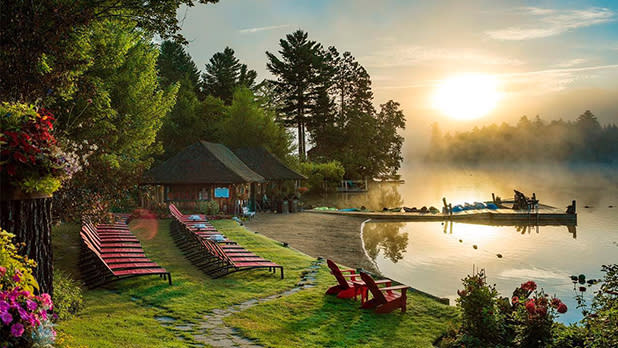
(351, 275)
(348, 270)
(397, 287)
(386, 282)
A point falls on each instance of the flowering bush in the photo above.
(526, 319)
(531, 316)
(24, 317)
(30, 154)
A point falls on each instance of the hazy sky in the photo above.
(553, 58)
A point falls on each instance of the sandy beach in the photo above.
(329, 236)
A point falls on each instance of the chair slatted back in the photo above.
(373, 287)
(343, 283)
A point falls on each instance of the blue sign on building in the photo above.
(222, 192)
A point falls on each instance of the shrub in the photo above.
(208, 207)
(321, 175)
(602, 319)
(479, 311)
(24, 317)
(524, 320)
(67, 296)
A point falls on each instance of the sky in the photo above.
(555, 59)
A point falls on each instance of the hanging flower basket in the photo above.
(32, 165)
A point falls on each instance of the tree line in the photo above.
(584, 139)
(123, 102)
(325, 95)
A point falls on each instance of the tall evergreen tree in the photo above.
(224, 73)
(300, 72)
(175, 64)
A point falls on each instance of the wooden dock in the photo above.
(546, 215)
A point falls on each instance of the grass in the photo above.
(122, 313)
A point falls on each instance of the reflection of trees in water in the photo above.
(385, 238)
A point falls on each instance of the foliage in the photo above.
(68, 297)
(529, 140)
(31, 156)
(46, 62)
(524, 320)
(114, 117)
(175, 64)
(24, 317)
(224, 74)
(321, 176)
(601, 320)
(301, 72)
(209, 207)
(249, 125)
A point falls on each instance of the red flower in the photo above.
(462, 293)
(562, 308)
(515, 300)
(555, 302)
(542, 311)
(20, 157)
(529, 286)
(531, 306)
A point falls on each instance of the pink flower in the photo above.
(4, 306)
(89, 101)
(6, 317)
(2, 271)
(46, 299)
(31, 305)
(16, 277)
(562, 308)
(17, 330)
(22, 313)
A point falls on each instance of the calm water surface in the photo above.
(435, 256)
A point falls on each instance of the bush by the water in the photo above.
(68, 298)
(321, 176)
(524, 320)
(25, 318)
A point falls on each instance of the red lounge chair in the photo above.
(113, 257)
(384, 300)
(344, 288)
(215, 258)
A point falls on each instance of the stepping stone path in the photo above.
(212, 330)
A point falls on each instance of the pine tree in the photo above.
(300, 73)
(224, 73)
(175, 64)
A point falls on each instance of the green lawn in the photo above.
(123, 313)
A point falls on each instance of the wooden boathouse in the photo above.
(201, 172)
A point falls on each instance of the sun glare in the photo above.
(467, 97)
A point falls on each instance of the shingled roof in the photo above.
(266, 164)
(202, 163)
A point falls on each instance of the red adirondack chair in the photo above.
(344, 288)
(384, 300)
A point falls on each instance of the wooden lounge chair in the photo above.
(113, 257)
(215, 258)
(385, 300)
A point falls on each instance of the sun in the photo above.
(467, 97)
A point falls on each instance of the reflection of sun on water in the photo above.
(467, 97)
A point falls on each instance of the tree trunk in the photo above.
(30, 221)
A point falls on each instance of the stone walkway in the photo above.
(213, 331)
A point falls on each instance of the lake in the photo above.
(435, 256)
